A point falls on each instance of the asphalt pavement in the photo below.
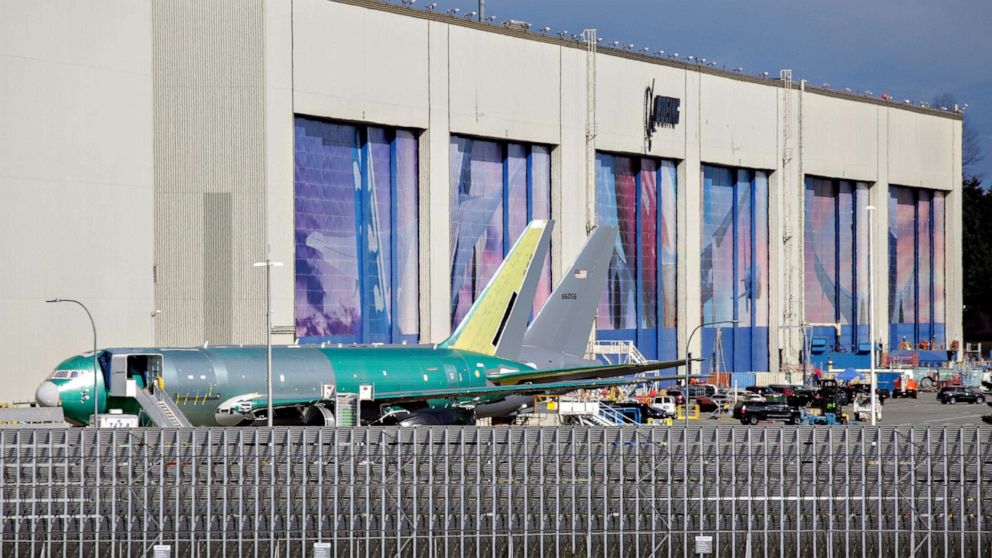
(926, 410)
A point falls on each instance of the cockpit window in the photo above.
(66, 374)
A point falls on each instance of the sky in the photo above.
(909, 49)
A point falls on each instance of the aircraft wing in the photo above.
(582, 373)
(557, 381)
(502, 391)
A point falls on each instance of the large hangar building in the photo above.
(152, 151)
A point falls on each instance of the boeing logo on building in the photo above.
(659, 111)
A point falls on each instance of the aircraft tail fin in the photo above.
(495, 324)
(564, 322)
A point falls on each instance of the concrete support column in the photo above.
(279, 158)
(879, 198)
(435, 203)
(569, 164)
(689, 215)
(954, 272)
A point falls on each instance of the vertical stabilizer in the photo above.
(496, 322)
(565, 320)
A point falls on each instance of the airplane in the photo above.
(478, 365)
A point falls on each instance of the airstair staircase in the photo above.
(161, 409)
(621, 352)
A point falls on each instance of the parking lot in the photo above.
(927, 411)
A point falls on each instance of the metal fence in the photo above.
(564, 491)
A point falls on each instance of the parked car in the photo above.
(677, 394)
(750, 412)
(802, 397)
(784, 389)
(763, 391)
(665, 404)
(953, 394)
(742, 395)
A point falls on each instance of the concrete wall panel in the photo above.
(76, 177)
(356, 64)
(503, 87)
(738, 123)
(840, 138)
(921, 150)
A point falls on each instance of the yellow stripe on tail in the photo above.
(484, 326)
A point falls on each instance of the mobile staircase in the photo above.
(622, 352)
(129, 373)
(160, 408)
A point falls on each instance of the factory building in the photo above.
(153, 151)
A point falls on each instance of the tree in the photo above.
(976, 218)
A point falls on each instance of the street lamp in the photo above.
(688, 361)
(268, 265)
(96, 398)
(871, 310)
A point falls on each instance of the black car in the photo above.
(750, 412)
(802, 397)
(953, 394)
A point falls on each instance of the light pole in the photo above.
(96, 369)
(268, 265)
(688, 361)
(871, 309)
(155, 314)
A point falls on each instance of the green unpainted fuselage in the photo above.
(201, 378)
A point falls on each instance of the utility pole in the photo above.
(871, 311)
(268, 265)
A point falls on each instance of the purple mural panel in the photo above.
(925, 268)
(516, 179)
(648, 268)
(717, 258)
(938, 263)
(616, 204)
(746, 272)
(328, 185)
(669, 261)
(376, 277)
(845, 251)
(355, 192)
(902, 230)
(541, 209)
(476, 220)
(861, 245)
(407, 237)
(819, 249)
(760, 282)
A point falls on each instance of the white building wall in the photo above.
(76, 180)
(447, 76)
(81, 129)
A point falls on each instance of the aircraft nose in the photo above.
(47, 394)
